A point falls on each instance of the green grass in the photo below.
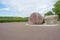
(58, 19)
(13, 19)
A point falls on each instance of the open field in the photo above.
(19, 31)
(13, 19)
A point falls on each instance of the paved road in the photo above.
(18, 31)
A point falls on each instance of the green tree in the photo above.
(56, 8)
(48, 13)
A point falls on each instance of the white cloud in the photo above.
(7, 9)
(25, 7)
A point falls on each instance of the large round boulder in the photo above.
(36, 18)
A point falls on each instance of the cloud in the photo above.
(7, 9)
(26, 7)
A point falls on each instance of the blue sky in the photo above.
(24, 8)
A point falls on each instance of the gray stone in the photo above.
(36, 18)
(52, 19)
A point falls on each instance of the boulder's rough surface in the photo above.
(52, 19)
(36, 18)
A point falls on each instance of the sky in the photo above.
(24, 8)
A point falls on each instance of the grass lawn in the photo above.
(13, 19)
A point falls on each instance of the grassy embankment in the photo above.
(13, 19)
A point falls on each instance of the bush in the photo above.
(48, 13)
